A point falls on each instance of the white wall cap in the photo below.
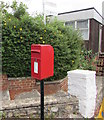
(84, 73)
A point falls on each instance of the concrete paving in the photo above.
(100, 89)
(32, 94)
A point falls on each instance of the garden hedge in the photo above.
(19, 33)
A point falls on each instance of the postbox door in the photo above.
(42, 61)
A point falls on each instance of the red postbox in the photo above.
(42, 61)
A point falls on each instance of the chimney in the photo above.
(103, 12)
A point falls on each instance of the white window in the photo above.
(71, 23)
(82, 25)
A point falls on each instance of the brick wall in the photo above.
(64, 84)
(16, 86)
(102, 42)
(100, 65)
(20, 85)
(53, 87)
(3, 82)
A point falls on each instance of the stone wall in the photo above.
(16, 86)
(59, 105)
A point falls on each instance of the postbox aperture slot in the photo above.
(35, 51)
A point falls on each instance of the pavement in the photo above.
(100, 89)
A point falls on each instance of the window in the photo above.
(84, 28)
(84, 34)
(82, 25)
(71, 23)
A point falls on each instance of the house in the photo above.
(90, 23)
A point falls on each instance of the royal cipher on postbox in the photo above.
(42, 61)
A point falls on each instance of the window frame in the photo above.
(80, 29)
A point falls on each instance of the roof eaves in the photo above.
(81, 10)
(76, 11)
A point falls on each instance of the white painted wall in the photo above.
(76, 15)
(97, 17)
(103, 11)
(80, 15)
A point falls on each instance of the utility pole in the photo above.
(43, 3)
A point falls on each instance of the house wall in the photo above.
(102, 42)
(95, 21)
(94, 36)
(86, 43)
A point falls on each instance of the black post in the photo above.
(42, 99)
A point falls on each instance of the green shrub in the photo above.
(87, 60)
(19, 34)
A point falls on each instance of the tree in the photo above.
(20, 10)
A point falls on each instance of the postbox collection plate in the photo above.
(36, 67)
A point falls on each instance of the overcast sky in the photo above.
(62, 5)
